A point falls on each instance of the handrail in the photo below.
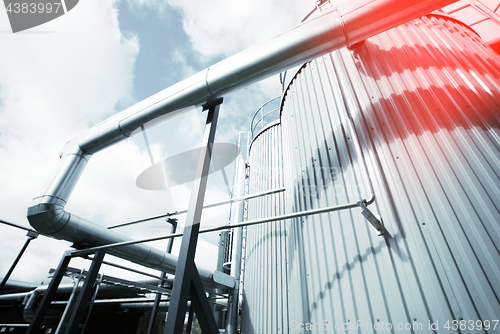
(352, 205)
(253, 125)
(170, 214)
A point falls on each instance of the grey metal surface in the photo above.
(346, 25)
(424, 100)
(265, 289)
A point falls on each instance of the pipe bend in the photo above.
(46, 213)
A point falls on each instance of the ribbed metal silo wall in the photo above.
(422, 100)
(265, 294)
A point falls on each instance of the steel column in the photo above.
(187, 281)
(49, 294)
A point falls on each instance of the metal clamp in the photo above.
(375, 220)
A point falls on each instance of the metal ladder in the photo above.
(63, 323)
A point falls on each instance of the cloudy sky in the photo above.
(63, 77)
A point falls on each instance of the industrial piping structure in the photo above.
(343, 26)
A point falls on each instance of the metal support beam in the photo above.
(49, 294)
(199, 302)
(190, 320)
(31, 235)
(156, 303)
(187, 281)
(85, 294)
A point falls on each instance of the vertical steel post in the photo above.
(85, 293)
(187, 281)
(239, 210)
(49, 294)
(156, 303)
(31, 235)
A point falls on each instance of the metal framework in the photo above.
(79, 305)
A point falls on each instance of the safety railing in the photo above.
(267, 113)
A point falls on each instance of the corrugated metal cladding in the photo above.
(422, 101)
(481, 15)
(265, 280)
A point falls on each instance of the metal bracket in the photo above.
(212, 104)
(375, 220)
(32, 234)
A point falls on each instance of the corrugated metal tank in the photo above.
(265, 280)
(414, 112)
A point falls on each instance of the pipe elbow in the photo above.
(47, 218)
(46, 213)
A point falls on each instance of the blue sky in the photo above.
(60, 78)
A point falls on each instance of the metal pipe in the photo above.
(176, 213)
(229, 226)
(349, 23)
(47, 214)
(15, 325)
(31, 235)
(147, 304)
(15, 225)
(163, 278)
(64, 291)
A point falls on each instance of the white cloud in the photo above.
(180, 60)
(159, 5)
(224, 27)
(55, 81)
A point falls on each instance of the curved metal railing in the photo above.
(267, 113)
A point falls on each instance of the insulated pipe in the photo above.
(347, 24)
(47, 214)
